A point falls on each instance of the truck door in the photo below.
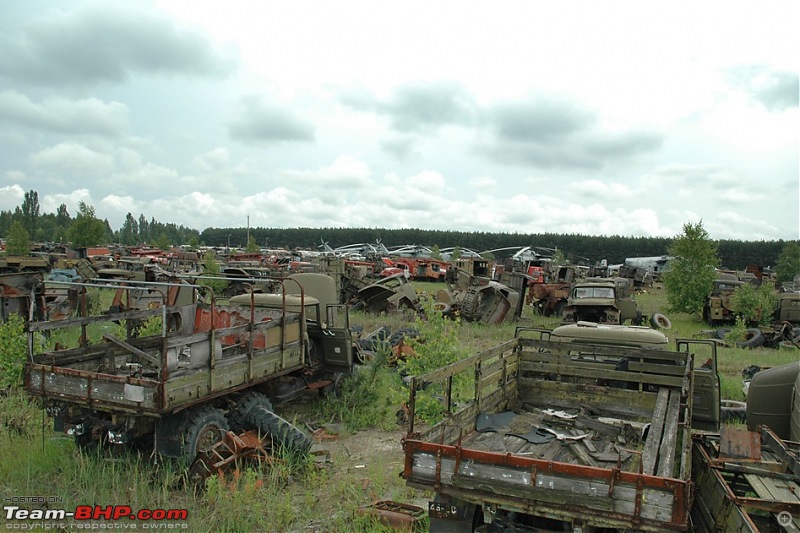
(337, 343)
(706, 389)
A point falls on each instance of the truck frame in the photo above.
(187, 384)
(597, 471)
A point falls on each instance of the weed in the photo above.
(13, 347)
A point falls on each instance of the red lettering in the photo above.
(121, 511)
(159, 514)
(106, 513)
(83, 512)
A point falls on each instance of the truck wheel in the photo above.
(660, 321)
(558, 312)
(245, 403)
(205, 427)
(284, 434)
(753, 338)
(402, 334)
(469, 307)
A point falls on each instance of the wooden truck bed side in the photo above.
(214, 354)
(745, 481)
(647, 487)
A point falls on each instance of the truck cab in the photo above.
(602, 300)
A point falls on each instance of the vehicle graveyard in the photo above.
(589, 426)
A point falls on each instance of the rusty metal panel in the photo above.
(399, 516)
(739, 443)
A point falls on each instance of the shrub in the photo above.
(13, 350)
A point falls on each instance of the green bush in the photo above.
(755, 304)
(13, 350)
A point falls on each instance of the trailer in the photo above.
(562, 434)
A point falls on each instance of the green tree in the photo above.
(252, 246)
(129, 233)
(18, 240)
(558, 257)
(690, 276)
(163, 242)
(30, 212)
(211, 268)
(788, 265)
(86, 230)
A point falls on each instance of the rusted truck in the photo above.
(748, 480)
(605, 300)
(208, 367)
(564, 433)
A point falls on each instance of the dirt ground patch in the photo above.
(356, 469)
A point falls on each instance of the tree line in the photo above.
(733, 254)
(84, 229)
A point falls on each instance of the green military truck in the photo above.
(585, 428)
(719, 308)
(602, 300)
(207, 368)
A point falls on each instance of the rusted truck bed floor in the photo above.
(573, 439)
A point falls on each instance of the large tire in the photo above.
(721, 333)
(238, 416)
(402, 334)
(753, 338)
(469, 306)
(284, 434)
(204, 428)
(660, 321)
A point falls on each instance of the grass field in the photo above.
(285, 496)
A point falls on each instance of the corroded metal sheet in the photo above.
(739, 443)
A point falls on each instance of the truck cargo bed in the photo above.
(206, 352)
(746, 481)
(564, 433)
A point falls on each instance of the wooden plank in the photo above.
(650, 452)
(666, 455)
(460, 366)
(615, 402)
(773, 489)
(133, 349)
(602, 372)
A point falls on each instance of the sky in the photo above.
(594, 118)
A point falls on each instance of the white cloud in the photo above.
(72, 157)
(11, 197)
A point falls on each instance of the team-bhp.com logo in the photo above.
(94, 517)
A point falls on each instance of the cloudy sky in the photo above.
(599, 118)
